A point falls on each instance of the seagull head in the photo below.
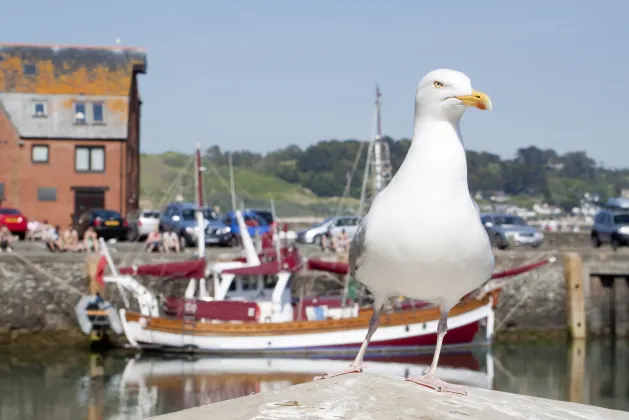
(446, 94)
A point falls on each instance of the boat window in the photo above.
(232, 286)
(270, 282)
(249, 283)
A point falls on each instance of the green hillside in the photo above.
(165, 176)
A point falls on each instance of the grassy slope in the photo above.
(159, 185)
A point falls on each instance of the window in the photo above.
(98, 113)
(1, 191)
(89, 159)
(509, 220)
(106, 214)
(39, 153)
(46, 194)
(79, 112)
(621, 219)
(29, 69)
(188, 214)
(40, 109)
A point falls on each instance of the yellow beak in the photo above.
(479, 100)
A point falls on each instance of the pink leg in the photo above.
(429, 379)
(357, 364)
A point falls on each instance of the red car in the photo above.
(14, 220)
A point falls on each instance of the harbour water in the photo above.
(77, 385)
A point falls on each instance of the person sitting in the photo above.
(70, 239)
(90, 240)
(170, 241)
(6, 239)
(342, 242)
(154, 241)
(32, 230)
(54, 241)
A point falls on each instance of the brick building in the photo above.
(69, 129)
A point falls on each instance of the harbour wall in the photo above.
(33, 304)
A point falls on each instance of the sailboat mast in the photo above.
(377, 148)
(198, 181)
(231, 182)
(199, 178)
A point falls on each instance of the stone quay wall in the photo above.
(31, 302)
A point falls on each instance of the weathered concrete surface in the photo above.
(367, 396)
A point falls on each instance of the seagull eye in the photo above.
(438, 84)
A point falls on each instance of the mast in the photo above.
(378, 160)
(198, 181)
(231, 182)
(381, 153)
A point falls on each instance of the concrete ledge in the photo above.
(366, 396)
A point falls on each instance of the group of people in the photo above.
(338, 243)
(163, 242)
(67, 240)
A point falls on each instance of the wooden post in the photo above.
(621, 303)
(577, 371)
(575, 300)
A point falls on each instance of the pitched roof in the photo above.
(58, 69)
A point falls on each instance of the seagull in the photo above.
(423, 236)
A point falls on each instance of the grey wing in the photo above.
(357, 247)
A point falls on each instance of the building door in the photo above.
(86, 198)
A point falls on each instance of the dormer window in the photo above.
(40, 109)
(98, 113)
(29, 69)
(79, 113)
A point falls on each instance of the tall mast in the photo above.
(199, 178)
(381, 153)
(198, 181)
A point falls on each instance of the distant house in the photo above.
(69, 129)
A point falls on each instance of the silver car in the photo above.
(141, 223)
(333, 225)
(505, 230)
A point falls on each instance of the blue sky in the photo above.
(265, 74)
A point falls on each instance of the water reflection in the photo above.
(77, 385)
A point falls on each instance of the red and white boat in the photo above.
(246, 306)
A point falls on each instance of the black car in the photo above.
(107, 224)
(610, 227)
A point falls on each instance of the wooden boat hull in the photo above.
(397, 331)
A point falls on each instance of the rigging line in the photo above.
(363, 190)
(350, 178)
(221, 179)
(165, 197)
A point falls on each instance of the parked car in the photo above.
(181, 218)
(610, 227)
(108, 224)
(14, 220)
(255, 223)
(506, 229)
(266, 215)
(141, 223)
(333, 225)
